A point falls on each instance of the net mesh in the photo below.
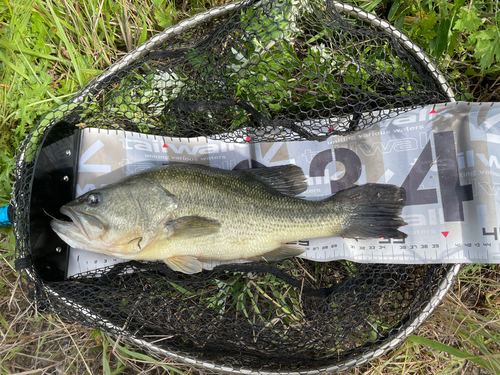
(259, 316)
(247, 72)
(273, 68)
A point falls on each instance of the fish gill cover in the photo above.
(292, 69)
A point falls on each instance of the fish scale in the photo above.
(253, 219)
(183, 214)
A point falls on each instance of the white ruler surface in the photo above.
(446, 156)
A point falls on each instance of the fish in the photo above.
(186, 214)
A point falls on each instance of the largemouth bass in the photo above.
(183, 214)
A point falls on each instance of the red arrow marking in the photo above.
(433, 111)
(445, 234)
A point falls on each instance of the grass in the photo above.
(49, 49)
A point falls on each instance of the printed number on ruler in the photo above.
(452, 193)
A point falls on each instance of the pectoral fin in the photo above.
(184, 263)
(282, 252)
(191, 226)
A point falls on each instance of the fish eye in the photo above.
(94, 199)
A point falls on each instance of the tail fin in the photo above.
(374, 210)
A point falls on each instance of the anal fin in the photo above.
(282, 252)
(184, 263)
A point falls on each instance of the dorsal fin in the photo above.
(285, 179)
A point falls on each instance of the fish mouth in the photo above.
(71, 232)
(82, 225)
(75, 222)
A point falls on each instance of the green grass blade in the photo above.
(21, 16)
(28, 51)
(453, 351)
(68, 45)
(144, 357)
(144, 33)
(12, 66)
(105, 362)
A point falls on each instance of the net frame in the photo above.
(22, 189)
